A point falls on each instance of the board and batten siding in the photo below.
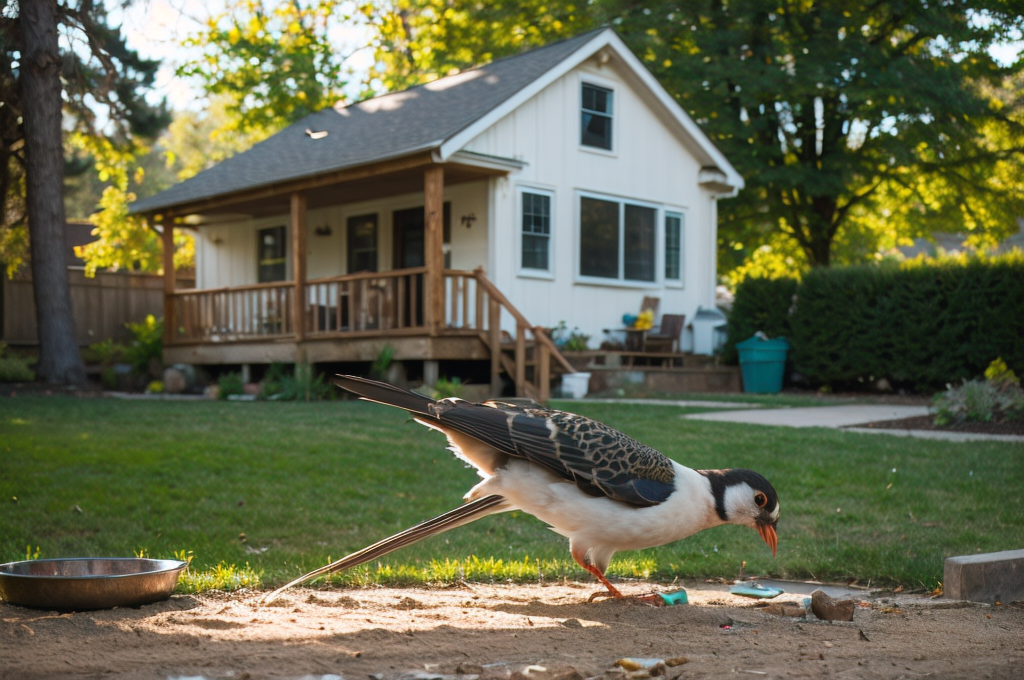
(648, 164)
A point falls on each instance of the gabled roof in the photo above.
(440, 117)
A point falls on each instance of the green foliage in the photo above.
(445, 388)
(571, 341)
(921, 325)
(272, 61)
(379, 367)
(13, 368)
(998, 397)
(124, 240)
(284, 382)
(230, 384)
(146, 349)
(1000, 375)
(761, 304)
(105, 352)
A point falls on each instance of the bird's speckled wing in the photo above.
(601, 460)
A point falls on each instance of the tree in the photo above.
(272, 62)
(835, 112)
(62, 62)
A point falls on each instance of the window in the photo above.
(271, 252)
(362, 243)
(673, 246)
(536, 243)
(617, 240)
(596, 119)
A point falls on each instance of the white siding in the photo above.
(648, 163)
(226, 253)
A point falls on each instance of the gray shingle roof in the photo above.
(389, 126)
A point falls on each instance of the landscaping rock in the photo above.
(828, 608)
(174, 381)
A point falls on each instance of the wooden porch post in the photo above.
(433, 244)
(298, 223)
(170, 323)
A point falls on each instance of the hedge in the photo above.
(920, 325)
(760, 304)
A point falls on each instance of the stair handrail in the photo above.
(538, 332)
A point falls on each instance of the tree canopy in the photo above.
(852, 122)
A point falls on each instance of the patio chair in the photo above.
(667, 337)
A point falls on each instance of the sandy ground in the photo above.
(507, 632)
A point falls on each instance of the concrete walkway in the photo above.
(816, 416)
(846, 415)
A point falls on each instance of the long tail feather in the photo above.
(383, 393)
(464, 514)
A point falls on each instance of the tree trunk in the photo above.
(59, 359)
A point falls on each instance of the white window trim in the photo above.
(659, 240)
(529, 272)
(681, 281)
(586, 78)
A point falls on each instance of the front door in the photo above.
(409, 251)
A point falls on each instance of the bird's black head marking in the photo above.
(765, 497)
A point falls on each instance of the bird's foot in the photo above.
(651, 599)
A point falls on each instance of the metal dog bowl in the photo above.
(80, 583)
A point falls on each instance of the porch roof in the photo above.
(392, 126)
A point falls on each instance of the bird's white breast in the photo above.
(599, 521)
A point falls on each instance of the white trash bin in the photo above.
(575, 385)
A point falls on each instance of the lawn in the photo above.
(262, 492)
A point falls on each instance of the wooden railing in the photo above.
(370, 302)
(259, 311)
(375, 304)
(529, 339)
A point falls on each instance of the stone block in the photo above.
(986, 577)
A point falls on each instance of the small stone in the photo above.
(828, 608)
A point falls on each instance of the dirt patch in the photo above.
(528, 632)
(928, 423)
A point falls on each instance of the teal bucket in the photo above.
(763, 363)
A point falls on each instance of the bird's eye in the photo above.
(760, 499)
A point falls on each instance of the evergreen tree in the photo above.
(61, 61)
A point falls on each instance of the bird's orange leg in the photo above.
(651, 599)
(581, 559)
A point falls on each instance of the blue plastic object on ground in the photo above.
(755, 590)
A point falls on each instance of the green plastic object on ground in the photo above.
(675, 597)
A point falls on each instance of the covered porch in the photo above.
(424, 312)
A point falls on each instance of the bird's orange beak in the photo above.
(767, 532)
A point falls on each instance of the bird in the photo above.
(594, 485)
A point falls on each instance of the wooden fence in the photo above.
(101, 305)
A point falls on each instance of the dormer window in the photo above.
(596, 119)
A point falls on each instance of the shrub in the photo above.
(14, 369)
(761, 304)
(284, 383)
(445, 388)
(998, 397)
(145, 352)
(105, 353)
(230, 384)
(921, 325)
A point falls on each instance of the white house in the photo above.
(562, 184)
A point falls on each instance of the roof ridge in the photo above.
(531, 51)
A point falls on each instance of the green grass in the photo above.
(262, 492)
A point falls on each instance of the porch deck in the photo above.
(352, 317)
